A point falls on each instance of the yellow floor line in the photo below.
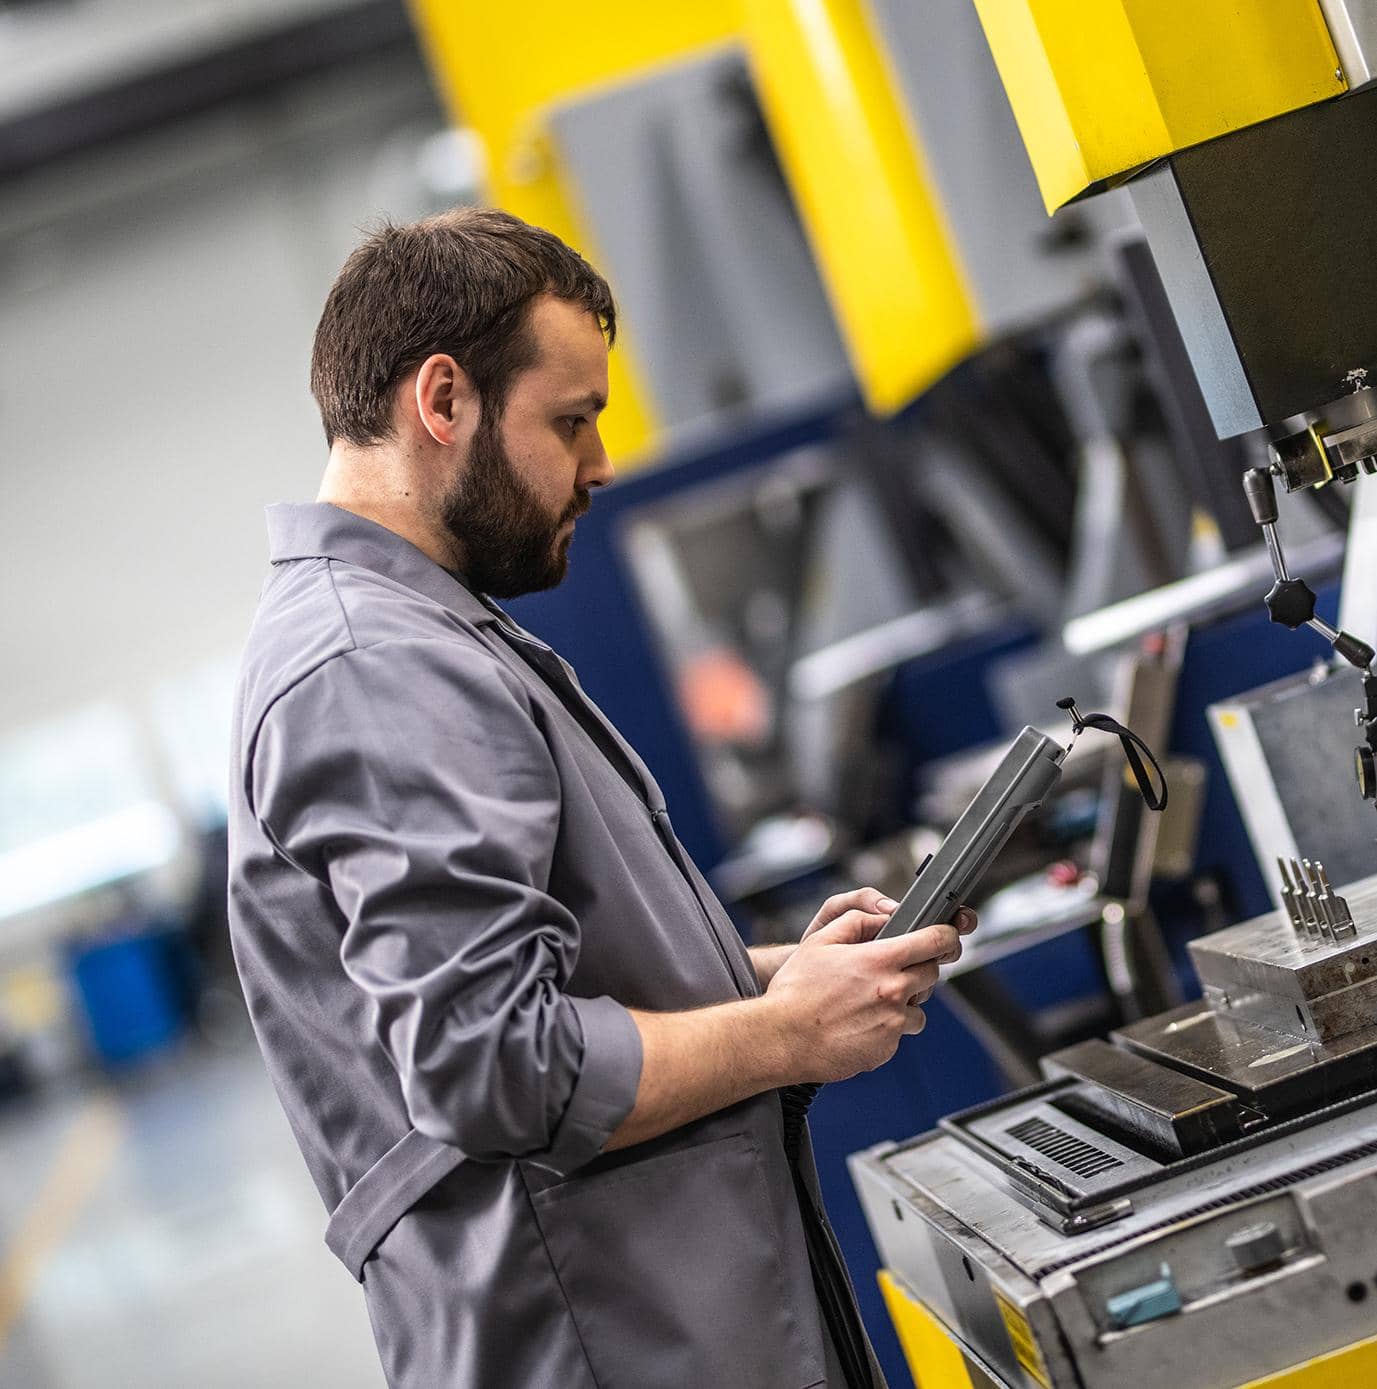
(83, 1157)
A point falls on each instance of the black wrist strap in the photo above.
(1135, 750)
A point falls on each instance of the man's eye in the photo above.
(572, 422)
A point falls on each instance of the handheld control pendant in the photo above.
(1025, 775)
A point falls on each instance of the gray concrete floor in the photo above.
(162, 1233)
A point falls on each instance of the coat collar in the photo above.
(319, 530)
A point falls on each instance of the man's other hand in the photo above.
(878, 909)
(868, 901)
(843, 1000)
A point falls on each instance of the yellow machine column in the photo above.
(849, 149)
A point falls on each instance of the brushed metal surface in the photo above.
(1174, 1111)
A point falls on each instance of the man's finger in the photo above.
(875, 922)
(850, 928)
(925, 975)
(866, 899)
(939, 942)
(915, 1022)
(965, 920)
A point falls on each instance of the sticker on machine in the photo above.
(1021, 1338)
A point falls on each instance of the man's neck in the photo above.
(381, 490)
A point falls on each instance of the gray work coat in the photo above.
(449, 880)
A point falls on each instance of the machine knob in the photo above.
(1257, 1247)
(1365, 768)
(1290, 602)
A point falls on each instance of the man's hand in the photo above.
(845, 999)
(835, 1004)
(869, 901)
(877, 908)
(770, 959)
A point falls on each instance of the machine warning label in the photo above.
(1021, 1338)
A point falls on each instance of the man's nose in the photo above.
(598, 471)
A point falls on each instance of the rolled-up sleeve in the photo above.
(412, 779)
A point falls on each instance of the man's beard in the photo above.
(510, 543)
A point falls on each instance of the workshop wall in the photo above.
(130, 429)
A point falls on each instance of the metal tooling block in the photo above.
(1266, 972)
(1278, 1076)
(1177, 1113)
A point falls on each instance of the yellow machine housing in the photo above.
(1101, 89)
(939, 1360)
(884, 252)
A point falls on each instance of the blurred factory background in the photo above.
(902, 459)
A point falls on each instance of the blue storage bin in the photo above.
(132, 987)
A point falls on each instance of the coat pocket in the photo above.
(673, 1272)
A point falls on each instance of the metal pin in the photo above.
(1324, 905)
(1322, 899)
(1298, 897)
(1288, 898)
(1312, 897)
(1307, 907)
(1343, 917)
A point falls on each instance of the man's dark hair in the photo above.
(461, 283)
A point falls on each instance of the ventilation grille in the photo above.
(1065, 1149)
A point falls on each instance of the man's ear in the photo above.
(444, 399)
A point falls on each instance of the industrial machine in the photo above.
(1251, 191)
(1190, 1203)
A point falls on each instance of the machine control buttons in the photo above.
(1257, 1248)
(1145, 1303)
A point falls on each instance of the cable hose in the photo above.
(837, 1308)
(797, 1100)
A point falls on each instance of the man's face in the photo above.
(528, 474)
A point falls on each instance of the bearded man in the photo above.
(550, 1100)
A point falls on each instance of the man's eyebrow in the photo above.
(593, 401)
